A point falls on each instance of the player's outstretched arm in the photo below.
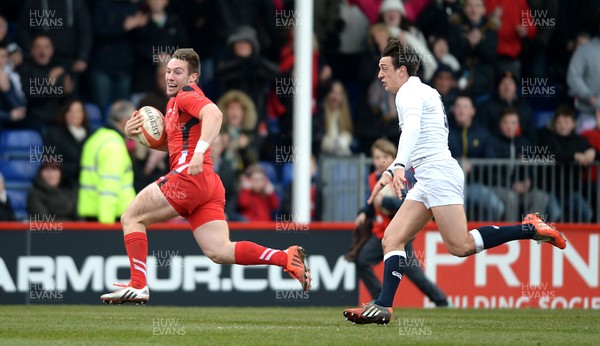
(212, 118)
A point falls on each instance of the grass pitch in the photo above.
(143, 325)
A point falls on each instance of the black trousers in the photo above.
(372, 253)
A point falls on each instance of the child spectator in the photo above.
(488, 113)
(257, 200)
(513, 182)
(468, 140)
(371, 222)
(571, 152)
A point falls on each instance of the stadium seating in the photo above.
(19, 166)
(18, 201)
(18, 176)
(95, 115)
(18, 144)
(287, 174)
(18, 170)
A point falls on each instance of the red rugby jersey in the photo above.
(183, 126)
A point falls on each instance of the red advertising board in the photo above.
(520, 274)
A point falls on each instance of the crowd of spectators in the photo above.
(500, 66)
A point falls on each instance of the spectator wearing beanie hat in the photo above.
(393, 14)
(246, 70)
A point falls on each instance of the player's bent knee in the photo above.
(460, 250)
(216, 257)
(392, 242)
(126, 219)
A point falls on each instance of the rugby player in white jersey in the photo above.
(438, 192)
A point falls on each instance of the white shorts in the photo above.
(439, 182)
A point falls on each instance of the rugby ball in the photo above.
(153, 133)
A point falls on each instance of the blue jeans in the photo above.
(574, 208)
(485, 201)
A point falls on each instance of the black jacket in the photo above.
(249, 75)
(562, 150)
(44, 99)
(478, 61)
(59, 203)
(67, 22)
(60, 138)
(112, 51)
(150, 42)
(515, 149)
(488, 115)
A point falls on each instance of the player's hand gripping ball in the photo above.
(153, 133)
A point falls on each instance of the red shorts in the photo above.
(199, 198)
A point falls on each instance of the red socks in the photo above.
(248, 253)
(136, 244)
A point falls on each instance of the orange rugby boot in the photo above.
(296, 266)
(544, 232)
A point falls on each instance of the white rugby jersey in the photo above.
(423, 122)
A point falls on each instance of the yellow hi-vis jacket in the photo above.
(106, 178)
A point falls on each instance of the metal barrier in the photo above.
(495, 189)
(345, 187)
(505, 190)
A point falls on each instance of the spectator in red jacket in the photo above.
(257, 200)
(515, 23)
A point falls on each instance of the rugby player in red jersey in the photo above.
(192, 189)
